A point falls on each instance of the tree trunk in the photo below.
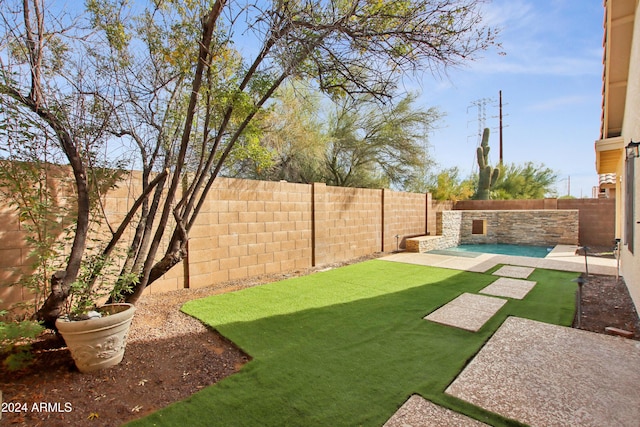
(35, 101)
(52, 308)
(160, 268)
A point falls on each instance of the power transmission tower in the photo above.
(481, 106)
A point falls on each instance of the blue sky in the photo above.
(551, 82)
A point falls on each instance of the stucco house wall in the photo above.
(630, 256)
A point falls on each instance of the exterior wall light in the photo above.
(632, 150)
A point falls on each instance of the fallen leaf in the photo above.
(92, 416)
(142, 382)
(136, 408)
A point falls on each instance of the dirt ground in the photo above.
(170, 356)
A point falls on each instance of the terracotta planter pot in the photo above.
(98, 343)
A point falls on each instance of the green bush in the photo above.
(15, 348)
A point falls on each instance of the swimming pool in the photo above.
(504, 249)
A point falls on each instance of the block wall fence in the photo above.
(248, 228)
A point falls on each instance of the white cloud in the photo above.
(540, 39)
(561, 102)
(506, 14)
(547, 65)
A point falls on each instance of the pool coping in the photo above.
(477, 249)
(561, 257)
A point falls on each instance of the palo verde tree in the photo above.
(292, 136)
(447, 184)
(180, 82)
(525, 181)
(377, 146)
(345, 141)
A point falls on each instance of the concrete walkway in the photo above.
(533, 372)
(549, 375)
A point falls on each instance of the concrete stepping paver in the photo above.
(467, 311)
(419, 412)
(543, 375)
(510, 288)
(514, 271)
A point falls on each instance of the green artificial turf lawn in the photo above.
(348, 346)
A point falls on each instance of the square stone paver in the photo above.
(478, 302)
(468, 311)
(419, 412)
(515, 272)
(548, 375)
(510, 288)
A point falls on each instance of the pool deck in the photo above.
(562, 257)
(533, 372)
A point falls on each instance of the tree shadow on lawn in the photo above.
(351, 360)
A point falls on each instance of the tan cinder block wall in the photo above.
(597, 220)
(13, 257)
(117, 203)
(348, 223)
(249, 228)
(405, 215)
(15, 250)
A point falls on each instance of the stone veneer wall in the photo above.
(447, 233)
(597, 216)
(535, 227)
(448, 225)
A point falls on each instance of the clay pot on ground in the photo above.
(98, 343)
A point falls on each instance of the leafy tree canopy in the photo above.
(527, 181)
(447, 184)
(350, 142)
(175, 87)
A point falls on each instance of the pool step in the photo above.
(424, 243)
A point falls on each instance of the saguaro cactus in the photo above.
(488, 175)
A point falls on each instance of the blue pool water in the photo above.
(504, 249)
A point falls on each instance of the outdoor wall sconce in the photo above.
(632, 150)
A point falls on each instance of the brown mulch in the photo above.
(606, 302)
(170, 356)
